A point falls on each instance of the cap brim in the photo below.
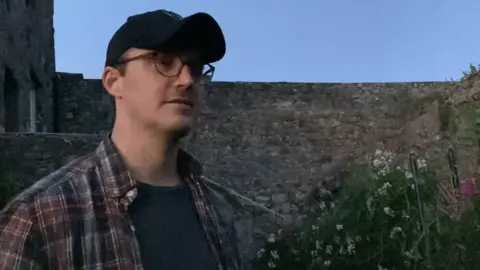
(199, 32)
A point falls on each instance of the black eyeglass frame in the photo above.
(206, 77)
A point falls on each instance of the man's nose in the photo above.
(185, 77)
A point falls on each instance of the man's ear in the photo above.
(111, 80)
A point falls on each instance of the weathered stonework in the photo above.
(27, 66)
(264, 139)
(82, 101)
(270, 142)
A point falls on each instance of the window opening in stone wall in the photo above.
(35, 87)
(56, 105)
(10, 101)
(30, 3)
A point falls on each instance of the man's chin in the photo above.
(179, 129)
(180, 132)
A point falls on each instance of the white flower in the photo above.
(260, 253)
(421, 163)
(350, 246)
(413, 254)
(318, 245)
(379, 267)
(271, 264)
(408, 175)
(351, 249)
(394, 231)
(383, 190)
(315, 228)
(274, 254)
(271, 238)
(327, 263)
(388, 211)
(329, 249)
(322, 205)
(339, 227)
(383, 171)
(381, 162)
(377, 163)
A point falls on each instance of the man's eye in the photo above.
(167, 62)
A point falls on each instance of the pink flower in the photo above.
(468, 187)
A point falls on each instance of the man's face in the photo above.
(168, 102)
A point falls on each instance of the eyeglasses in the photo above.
(170, 65)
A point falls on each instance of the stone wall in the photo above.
(82, 105)
(294, 115)
(270, 142)
(27, 66)
(25, 158)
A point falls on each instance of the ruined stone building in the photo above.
(258, 138)
(271, 142)
(27, 66)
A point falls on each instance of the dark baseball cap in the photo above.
(163, 29)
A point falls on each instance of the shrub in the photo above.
(387, 218)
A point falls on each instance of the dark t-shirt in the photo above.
(168, 230)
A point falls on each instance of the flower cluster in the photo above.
(382, 161)
(468, 188)
(389, 221)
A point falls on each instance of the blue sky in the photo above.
(297, 41)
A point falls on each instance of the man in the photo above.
(138, 201)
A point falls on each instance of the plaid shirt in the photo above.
(76, 218)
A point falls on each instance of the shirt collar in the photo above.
(116, 176)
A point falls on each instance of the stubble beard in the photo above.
(179, 134)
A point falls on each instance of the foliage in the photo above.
(471, 71)
(388, 218)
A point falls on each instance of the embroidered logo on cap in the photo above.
(172, 15)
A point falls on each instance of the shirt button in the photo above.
(132, 193)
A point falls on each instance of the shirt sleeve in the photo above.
(21, 244)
